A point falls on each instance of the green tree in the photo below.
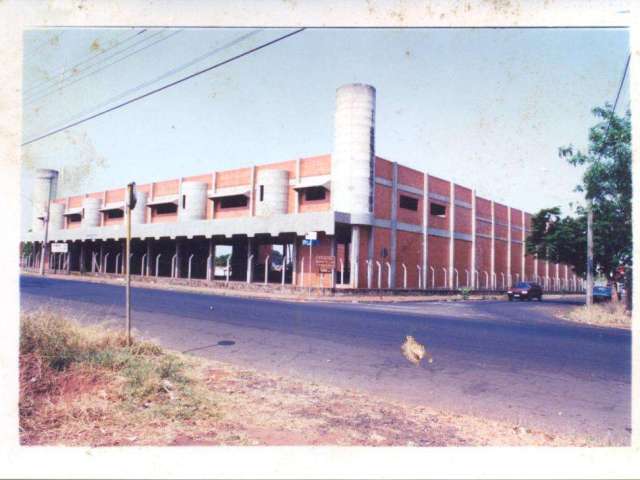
(607, 183)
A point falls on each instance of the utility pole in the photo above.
(46, 229)
(589, 252)
(130, 203)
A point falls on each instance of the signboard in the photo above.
(310, 243)
(59, 248)
(311, 236)
(325, 263)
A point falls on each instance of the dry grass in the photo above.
(609, 314)
(84, 386)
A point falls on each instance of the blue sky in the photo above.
(487, 108)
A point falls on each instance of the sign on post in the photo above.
(59, 248)
(325, 263)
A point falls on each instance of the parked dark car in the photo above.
(525, 291)
(601, 294)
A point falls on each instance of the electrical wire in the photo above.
(54, 87)
(169, 85)
(615, 104)
(165, 75)
(60, 72)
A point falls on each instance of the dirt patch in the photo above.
(609, 314)
(109, 394)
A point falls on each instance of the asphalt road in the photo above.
(511, 361)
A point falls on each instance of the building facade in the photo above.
(378, 224)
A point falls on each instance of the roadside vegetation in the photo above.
(609, 314)
(84, 386)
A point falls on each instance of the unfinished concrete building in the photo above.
(378, 224)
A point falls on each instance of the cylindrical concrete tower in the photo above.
(91, 212)
(272, 192)
(56, 216)
(139, 213)
(193, 201)
(352, 162)
(45, 187)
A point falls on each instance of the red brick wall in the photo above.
(410, 216)
(382, 204)
(409, 251)
(438, 257)
(483, 259)
(410, 177)
(312, 166)
(462, 261)
(384, 168)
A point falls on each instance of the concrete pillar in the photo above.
(452, 224)
(535, 268)
(149, 265)
(394, 226)
(473, 239)
(179, 252)
(509, 278)
(355, 254)
(82, 257)
(493, 245)
(251, 260)
(425, 230)
(294, 259)
(524, 253)
(212, 258)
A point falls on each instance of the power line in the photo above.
(615, 104)
(59, 72)
(169, 85)
(155, 80)
(76, 80)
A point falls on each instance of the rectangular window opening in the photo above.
(437, 210)
(315, 193)
(115, 213)
(166, 208)
(235, 201)
(76, 217)
(408, 203)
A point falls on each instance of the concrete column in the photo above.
(393, 254)
(355, 254)
(149, 259)
(82, 257)
(294, 259)
(509, 278)
(566, 276)
(179, 248)
(252, 206)
(250, 260)
(535, 268)
(473, 239)
(297, 196)
(425, 230)
(524, 253)
(212, 256)
(493, 244)
(452, 224)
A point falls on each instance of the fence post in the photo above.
(249, 268)
(228, 269)
(209, 276)
(158, 264)
(142, 265)
(379, 274)
(173, 265)
(466, 276)
(106, 260)
(284, 268)
(302, 272)
(445, 277)
(369, 264)
(404, 276)
(341, 272)
(266, 269)
(419, 277)
(189, 269)
(457, 279)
